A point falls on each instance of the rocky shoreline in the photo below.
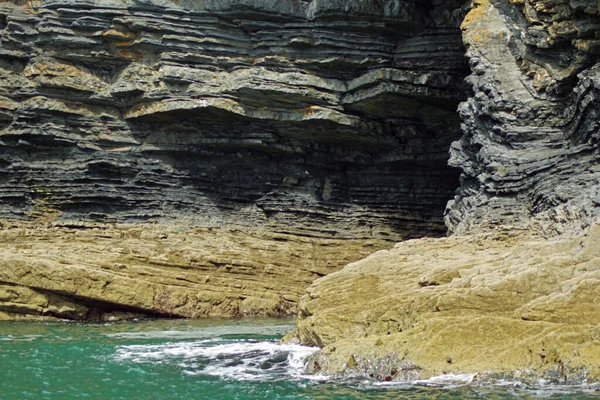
(186, 159)
(96, 272)
(511, 293)
(501, 305)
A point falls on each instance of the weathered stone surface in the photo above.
(513, 306)
(92, 271)
(529, 152)
(318, 118)
(23, 300)
(275, 141)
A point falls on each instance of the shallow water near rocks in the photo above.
(199, 359)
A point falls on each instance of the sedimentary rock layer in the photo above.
(494, 306)
(100, 271)
(320, 118)
(294, 122)
(529, 152)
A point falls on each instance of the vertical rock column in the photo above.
(529, 152)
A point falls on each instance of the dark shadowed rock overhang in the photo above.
(317, 118)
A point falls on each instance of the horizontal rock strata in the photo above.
(100, 272)
(319, 129)
(494, 306)
(318, 118)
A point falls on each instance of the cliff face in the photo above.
(529, 152)
(212, 158)
(224, 154)
(503, 301)
(320, 118)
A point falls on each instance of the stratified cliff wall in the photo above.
(323, 118)
(529, 152)
(213, 158)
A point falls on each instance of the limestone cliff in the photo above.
(136, 136)
(197, 158)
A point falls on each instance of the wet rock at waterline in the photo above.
(512, 305)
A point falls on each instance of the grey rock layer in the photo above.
(512, 303)
(529, 152)
(321, 118)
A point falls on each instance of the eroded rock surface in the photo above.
(299, 123)
(519, 300)
(100, 271)
(529, 152)
(503, 306)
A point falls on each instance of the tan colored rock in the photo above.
(19, 300)
(62, 75)
(497, 305)
(63, 270)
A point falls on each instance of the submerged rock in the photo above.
(277, 360)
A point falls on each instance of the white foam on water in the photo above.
(20, 338)
(540, 388)
(207, 332)
(211, 354)
(240, 360)
(448, 379)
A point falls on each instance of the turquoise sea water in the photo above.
(201, 359)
